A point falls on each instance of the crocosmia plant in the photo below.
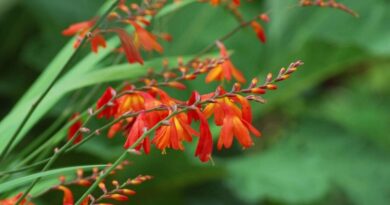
(135, 98)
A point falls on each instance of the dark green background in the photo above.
(325, 131)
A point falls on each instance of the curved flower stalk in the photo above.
(116, 191)
(329, 4)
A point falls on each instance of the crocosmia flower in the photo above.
(13, 200)
(74, 128)
(172, 134)
(81, 29)
(68, 195)
(111, 105)
(144, 39)
(234, 120)
(259, 31)
(226, 70)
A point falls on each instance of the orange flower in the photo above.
(136, 131)
(144, 39)
(13, 200)
(235, 121)
(131, 51)
(81, 29)
(96, 41)
(74, 128)
(259, 31)
(111, 109)
(68, 195)
(172, 135)
(205, 144)
(115, 128)
(225, 70)
(233, 125)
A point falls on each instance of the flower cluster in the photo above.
(138, 109)
(132, 15)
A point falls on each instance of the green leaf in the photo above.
(15, 183)
(171, 8)
(308, 163)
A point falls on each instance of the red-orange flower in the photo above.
(226, 70)
(131, 51)
(81, 29)
(68, 195)
(235, 121)
(259, 31)
(144, 39)
(172, 135)
(205, 144)
(233, 125)
(110, 109)
(13, 200)
(96, 41)
(137, 130)
(74, 128)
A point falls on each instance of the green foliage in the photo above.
(48, 177)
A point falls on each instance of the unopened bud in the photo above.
(176, 85)
(268, 78)
(90, 111)
(134, 151)
(236, 87)
(165, 123)
(84, 130)
(80, 173)
(258, 91)
(127, 191)
(271, 87)
(264, 17)
(190, 77)
(115, 183)
(62, 179)
(254, 82)
(84, 182)
(281, 72)
(118, 197)
(102, 186)
(283, 77)
(256, 99)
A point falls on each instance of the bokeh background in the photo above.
(325, 131)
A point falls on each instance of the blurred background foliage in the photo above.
(325, 131)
